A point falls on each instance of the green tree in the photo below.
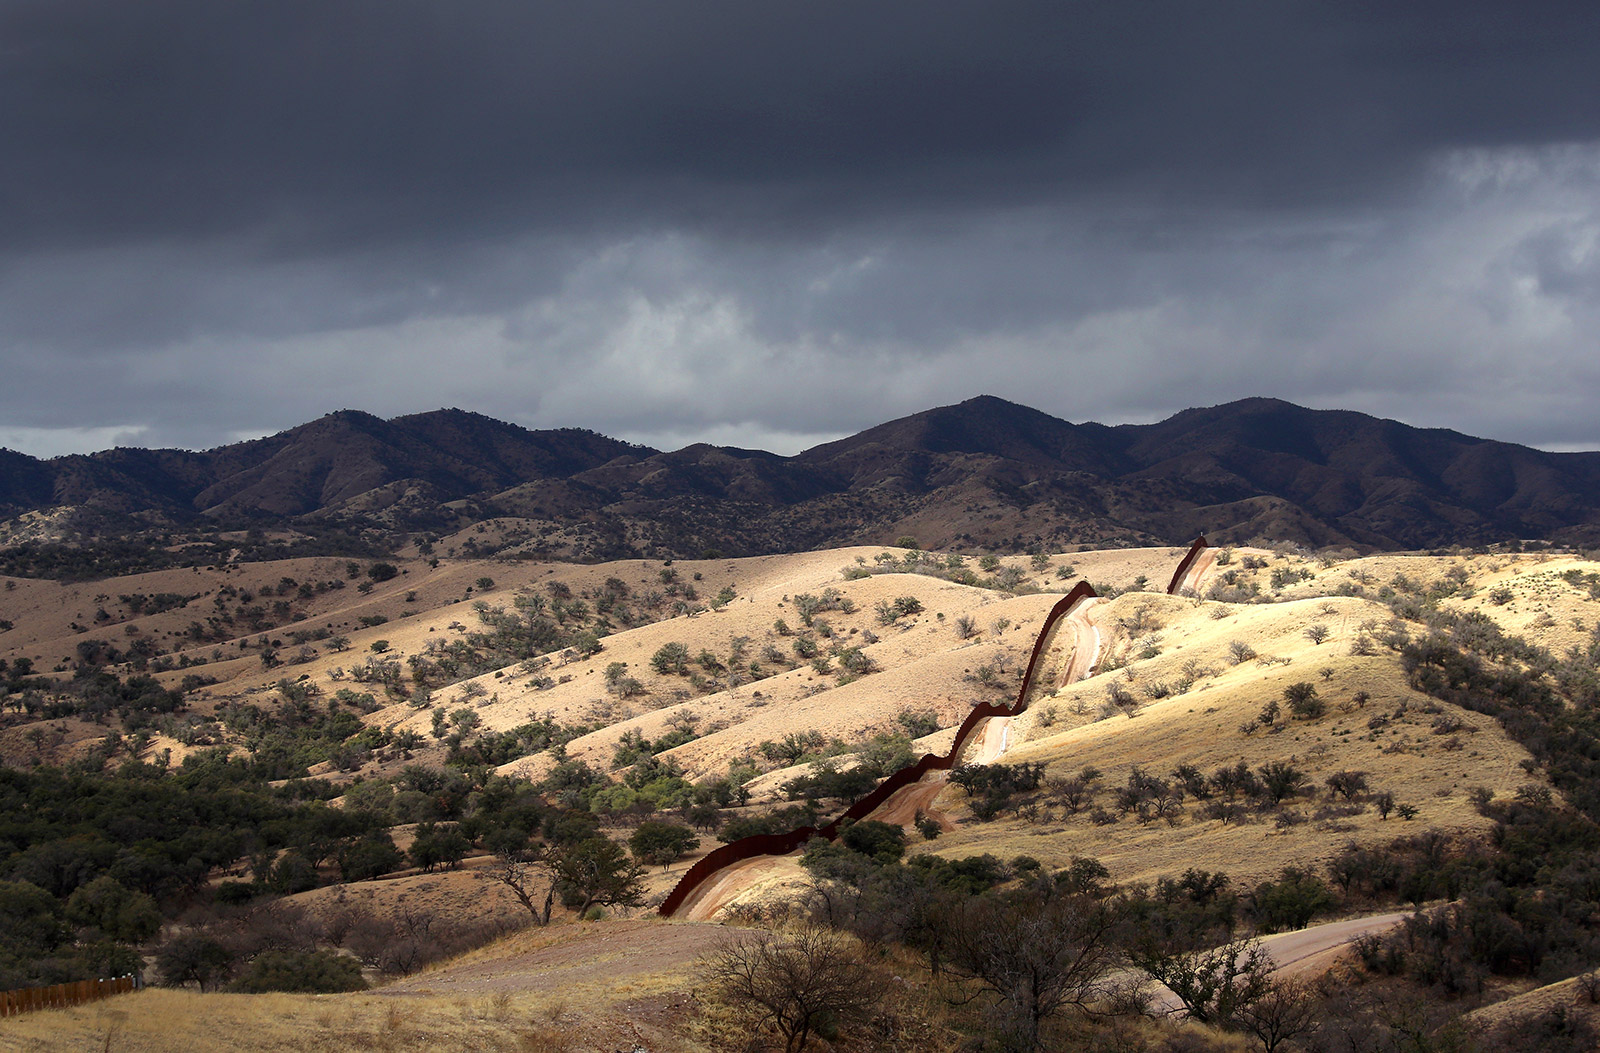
(671, 658)
(658, 843)
(883, 842)
(292, 873)
(1291, 901)
(310, 972)
(596, 872)
(372, 855)
(30, 920)
(195, 958)
(117, 913)
(1303, 700)
(436, 846)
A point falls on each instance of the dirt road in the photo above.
(572, 957)
(1304, 952)
(1085, 643)
(1299, 952)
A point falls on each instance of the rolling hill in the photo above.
(424, 672)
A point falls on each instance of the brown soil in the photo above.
(615, 955)
(735, 883)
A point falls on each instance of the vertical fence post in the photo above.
(63, 996)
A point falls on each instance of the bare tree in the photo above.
(793, 980)
(1288, 1009)
(1035, 958)
(523, 877)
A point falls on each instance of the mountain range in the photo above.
(984, 474)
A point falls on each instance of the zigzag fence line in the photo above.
(63, 996)
(782, 844)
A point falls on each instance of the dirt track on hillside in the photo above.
(1197, 570)
(610, 955)
(1308, 952)
(706, 901)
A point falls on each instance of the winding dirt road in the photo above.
(1304, 952)
(1300, 952)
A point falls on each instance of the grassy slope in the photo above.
(922, 664)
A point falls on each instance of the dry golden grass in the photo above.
(1202, 727)
(1566, 994)
(161, 1021)
(426, 605)
(566, 988)
(467, 892)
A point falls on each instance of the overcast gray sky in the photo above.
(770, 225)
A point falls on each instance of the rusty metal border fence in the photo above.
(1199, 546)
(63, 996)
(783, 844)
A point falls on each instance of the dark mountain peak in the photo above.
(984, 472)
(339, 420)
(458, 425)
(979, 425)
(1238, 413)
(453, 418)
(339, 457)
(986, 427)
(1257, 409)
(1270, 426)
(25, 482)
(704, 451)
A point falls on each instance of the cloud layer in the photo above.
(737, 223)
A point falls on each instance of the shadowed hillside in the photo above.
(985, 474)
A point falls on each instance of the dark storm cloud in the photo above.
(771, 224)
(340, 121)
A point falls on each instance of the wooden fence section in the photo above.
(783, 844)
(61, 996)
